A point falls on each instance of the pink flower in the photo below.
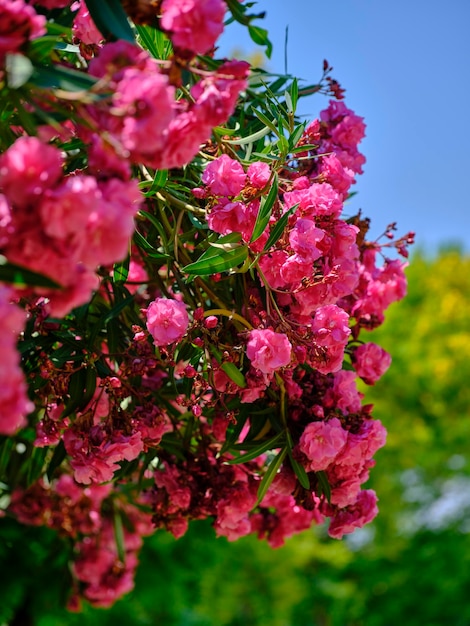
(331, 326)
(13, 391)
(27, 169)
(224, 176)
(259, 174)
(19, 23)
(216, 95)
(167, 320)
(84, 28)
(304, 239)
(321, 442)
(333, 172)
(65, 211)
(319, 200)
(146, 101)
(371, 362)
(344, 394)
(227, 218)
(193, 24)
(354, 516)
(362, 446)
(268, 351)
(232, 519)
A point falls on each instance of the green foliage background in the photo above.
(412, 566)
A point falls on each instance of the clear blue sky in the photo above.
(405, 66)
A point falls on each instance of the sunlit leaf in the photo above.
(265, 210)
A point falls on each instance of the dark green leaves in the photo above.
(22, 277)
(265, 210)
(278, 228)
(222, 255)
(59, 77)
(110, 19)
(270, 475)
(258, 449)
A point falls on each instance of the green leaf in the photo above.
(235, 433)
(265, 210)
(22, 277)
(294, 94)
(229, 368)
(296, 135)
(289, 103)
(35, 465)
(121, 271)
(266, 121)
(270, 475)
(58, 77)
(260, 37)
(197, 223)
(110, 19)
(279, 227)
(304, 148)
(324, 485)
(219, 259)
(155, 41)
(59, 455)
(274, 442)
(159, 181)
(234, 373)
(119, 535)
(242, 141)
(299, 470)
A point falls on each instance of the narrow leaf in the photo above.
(266, 121)
(299, 471)
(57, 77)
(59, 455)
(234, 374)
(121, 271)
(270, 475)
(265, 210)
(255, 452)
(217, 261)
(242, 141)
(235, 433)
(324, 485)
(296, 135)
(294, 94)
(278, 228)
(119, 535)
(260, 37)
(22, 277)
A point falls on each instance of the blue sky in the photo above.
(405, 66)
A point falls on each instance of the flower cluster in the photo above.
(186, 294)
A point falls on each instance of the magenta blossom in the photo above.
(193, 25)
(268, 351)
(321, 442)
(354, 516)
(167, 321)
(371, 362)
